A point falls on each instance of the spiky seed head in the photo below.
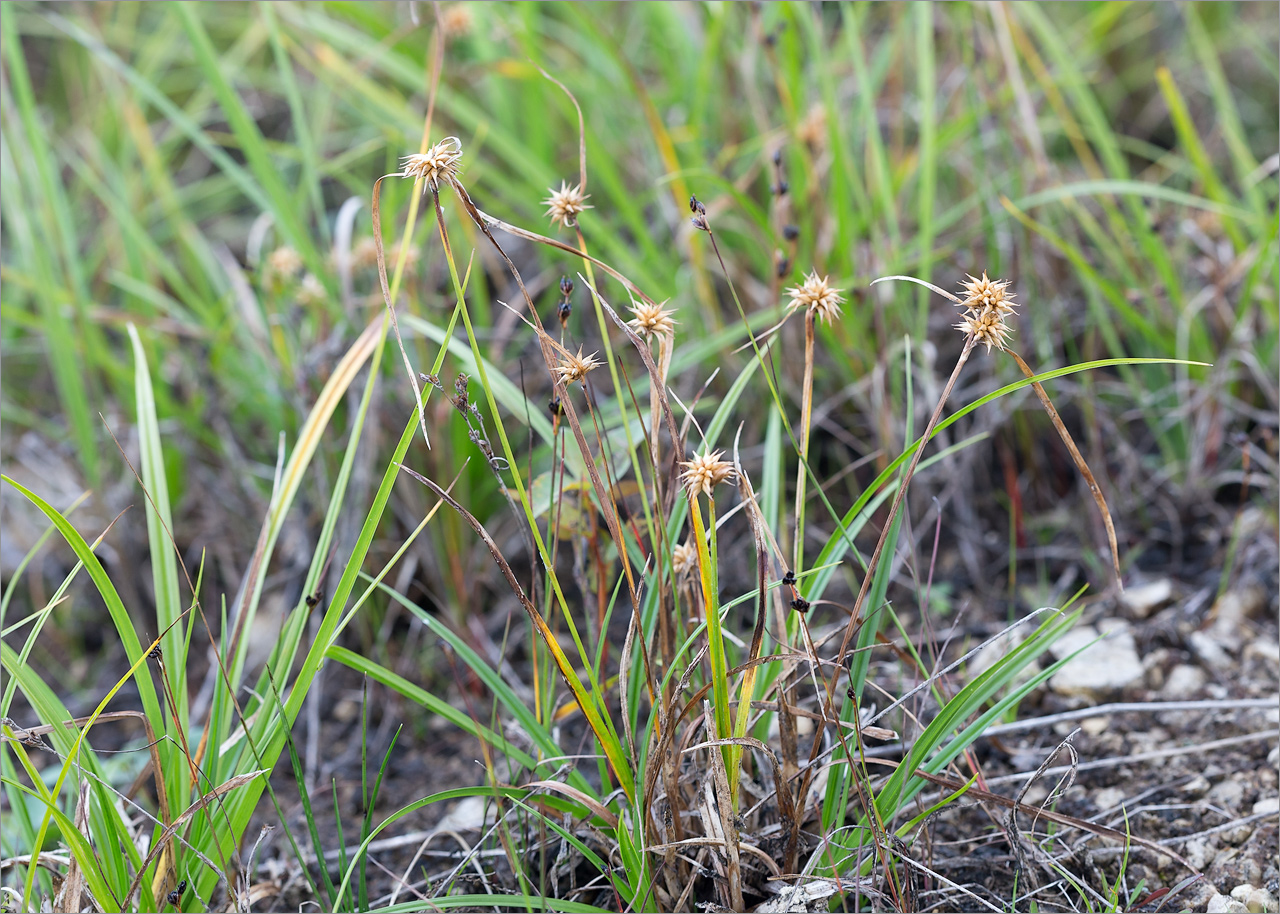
(652, 320)
(364, 254)
(684, 558)
(457, 20)
(986, 326)
(987, 303)
(437, 165)
(705, 471)
(574, 368)
(284, 262)
(311, 291)
(817, 296)
(987, 293)
(564, 205)
(812, 129)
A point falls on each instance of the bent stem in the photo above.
(1083, 467)
(856, 616)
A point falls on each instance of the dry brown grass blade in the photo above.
(1083, 467)
(577, 796)
(728, 821)
(667, 765)
(391, 308)
(308, 440)
(786, 805)
(582, 130)
(486, 222)
(589, 710)
(548, 345)
(69, 896)
(171, 830)
(656, 377)
(856, 617)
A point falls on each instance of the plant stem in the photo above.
(856, 616)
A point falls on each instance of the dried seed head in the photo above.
(456, 20)
(986, 326)
(564, 205)
(364, 255)
(987, 303)
(983, 293)
(312, 291)
(566, 286)
(563, 310)
(705, 471)
(684, 558)
(812, 130)
(818, 297)
(575, 367)
(437, 165)
(790, 232)
(284, 262)
(652, 320)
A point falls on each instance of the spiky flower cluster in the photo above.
(987, 304)
(311, 291)
(652, 320)
(437, 165)
(684, 558)
(564, 205)
(815, 295)
(284, 262)
(457, 21)
(705, 471)
(574, 368)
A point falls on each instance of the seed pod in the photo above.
(790, 232)
(566, 286)
(800, 605)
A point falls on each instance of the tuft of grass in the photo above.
(679, 635)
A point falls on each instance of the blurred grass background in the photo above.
(203, 171)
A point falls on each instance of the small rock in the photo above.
(1225, 904)
(1241, 892)
(1196, 786)
(1265, 649)
(1210, 650)
(1235, 606)
(1109, 797)
(1266, 805)
(1144, 599)
(469, 813)
(1102, 668)
(1197, 851)
(1260, 901)
(1228, 793)
(995, 651)
(1095, 726)
(1184, 681)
